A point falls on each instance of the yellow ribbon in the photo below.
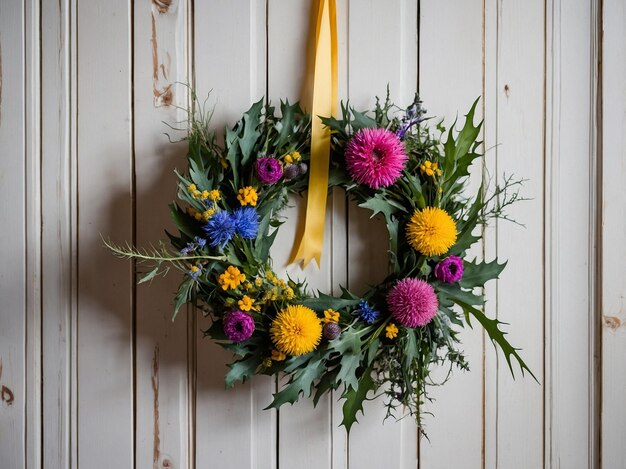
(324, 104)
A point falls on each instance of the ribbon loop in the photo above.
(324, 104)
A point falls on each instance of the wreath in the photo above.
(385, 342)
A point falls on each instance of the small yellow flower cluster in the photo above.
(330, 315)
(195, 193)
(194, 269)
(430, 169)
(292, 157)
(231, 278)
(247, 195)
(201, 216)
(246, 303)
(391, 331)
(278, 356)
(214, 195)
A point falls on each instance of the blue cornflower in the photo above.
(220, 228)
(366, 312)
(246, 222)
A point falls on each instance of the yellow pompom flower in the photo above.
(391, 331)
(204, 195)
(247, 195)
(296, 330)
(289, 294)
(192, 188)
(231, 278)
(258, 281)
(431, 231)
(330, 315)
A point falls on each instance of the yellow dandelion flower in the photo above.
(214, 195)
(431, 231)
(245, 304)
(278, 356)
(296, 330)
(391, 331)
(247, 195)
(330, 315)
(231, 278)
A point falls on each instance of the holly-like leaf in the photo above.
(362, 121)
(252, 119)
(183, 296)
(492, 326)
(476, 275)
(454, 293)
(182, 221)
(354, 398)
(242, 369)
(300, 383)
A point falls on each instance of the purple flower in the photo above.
(238, 326)
(268, 170)
(292, 171)
(449, 270)
(414, 115)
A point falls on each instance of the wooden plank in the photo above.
(519, 107)
(613, 228)
(458, 405)
(15, 205)
(58, 246)
(382, 46)
(230, 60)
(570, 112)
(105, 284)
(160, 61)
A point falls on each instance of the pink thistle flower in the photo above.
(412, 302)
(375, 157)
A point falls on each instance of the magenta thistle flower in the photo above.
(375, 157)
(268, 170)
(412, 302)
(238, 326)
(449, 270)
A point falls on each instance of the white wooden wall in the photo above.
(93, 374)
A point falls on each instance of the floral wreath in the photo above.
(385, 342)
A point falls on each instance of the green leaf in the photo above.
(301, 382)
(492, 326)
(362, 121)
(252, 119)
(286, 123)
(354, 398)
(183, 296)
(323, 302)
(476, 275)
(232, 154)
(328, 382)
(150, 275)
(182, 221)
(454, 293)
(242, 369)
